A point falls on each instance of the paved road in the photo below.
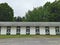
(30, 41)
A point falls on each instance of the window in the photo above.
(57, 30)
(37, 30)
(27, 30)
(47, 30)
(18, 30)
(8, 30)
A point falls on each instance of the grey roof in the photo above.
(29, 23)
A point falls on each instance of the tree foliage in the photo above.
(46, 13)
(6, 12)
(50, 12)
(18, 19)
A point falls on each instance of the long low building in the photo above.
(29, 28)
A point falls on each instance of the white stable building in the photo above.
(29, 28)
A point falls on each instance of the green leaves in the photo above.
(6, 12)
(49, 12)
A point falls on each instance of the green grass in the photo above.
(29, 36)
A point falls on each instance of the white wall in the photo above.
(59, 30)
(39, 28)
(13, 30)
(23, 30)
(3, 30)
(42, 30)
(32, 30)
(52, 30)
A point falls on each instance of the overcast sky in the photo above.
(22, 6)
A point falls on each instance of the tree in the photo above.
(23, 19)
(54, 11)
(18, 19)
(48, 12)
(6, 12)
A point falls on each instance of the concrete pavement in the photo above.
(30, 41)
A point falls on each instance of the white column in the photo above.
(13, 30)
(23, 30)
(59, 29)
(3, 30)
(32, 30)
(39, 28)
(52, 30)
(42, 31)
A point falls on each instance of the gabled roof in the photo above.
(29, 23)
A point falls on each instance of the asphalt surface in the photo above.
(30, 41)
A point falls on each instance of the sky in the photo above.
(21, 7)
